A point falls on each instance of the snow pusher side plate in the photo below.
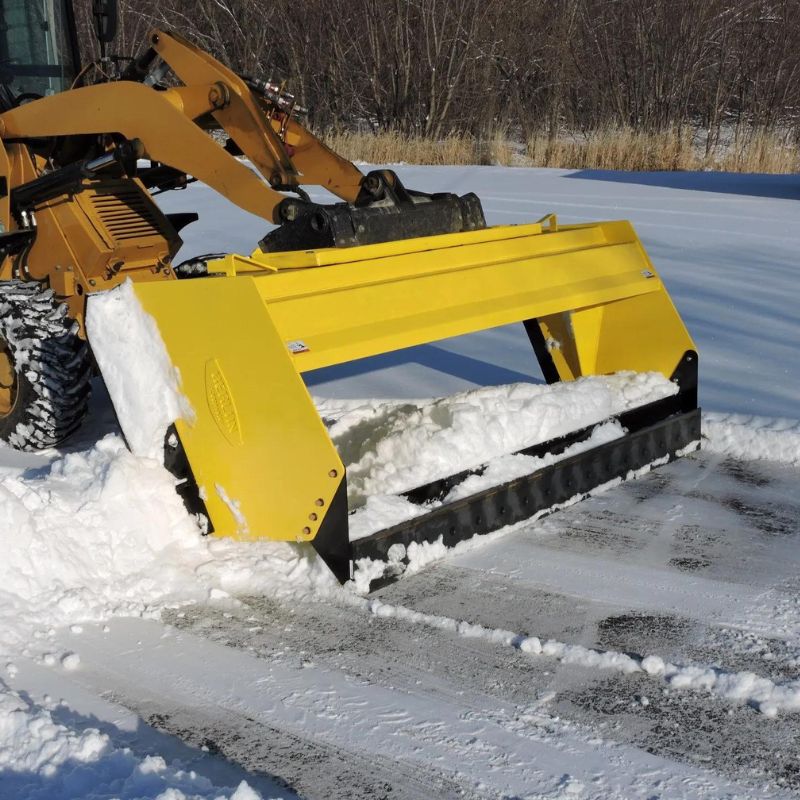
(257, 449)
(590, 299)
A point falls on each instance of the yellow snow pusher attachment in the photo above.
(589, 298)
(82, 153)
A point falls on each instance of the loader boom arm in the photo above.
(297, 158)
(166, 123)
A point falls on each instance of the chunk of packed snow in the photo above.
(141, 379)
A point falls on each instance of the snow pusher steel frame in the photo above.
(591, 302)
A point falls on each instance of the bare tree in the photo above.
(435, 66)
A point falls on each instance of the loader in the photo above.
(85, 148)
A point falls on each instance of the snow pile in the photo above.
(391, 447)
(141, 380)
(103, 532)
(41, 757)
(749, 437)
(382, 511)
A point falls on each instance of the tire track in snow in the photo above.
(485, 748)
(644, 620)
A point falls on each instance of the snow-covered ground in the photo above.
(645, 643)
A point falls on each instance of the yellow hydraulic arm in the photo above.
(165, 122)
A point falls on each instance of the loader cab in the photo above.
(38, 49)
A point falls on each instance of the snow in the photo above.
(98, 534)
(143, 383)
(767, 696)
(392, 447)
(749, 437)
(234, 507)
(43, 759)
(86, 548)
(102, 532)
(523, 751)
(382, 511)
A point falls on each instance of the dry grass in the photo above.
(762, 151)
(392, 147)
(495, 149)
(608, 148)
(614, 148)
(626, 149)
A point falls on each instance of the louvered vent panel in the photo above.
(126, 215)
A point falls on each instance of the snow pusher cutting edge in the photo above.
(589, 298)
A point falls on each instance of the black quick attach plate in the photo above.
(387, 213)
(655, 432)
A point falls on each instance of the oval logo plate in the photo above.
(220, 402)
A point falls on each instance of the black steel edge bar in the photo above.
(542, 491)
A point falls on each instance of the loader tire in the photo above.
(45, 368)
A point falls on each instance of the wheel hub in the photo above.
(8, 380)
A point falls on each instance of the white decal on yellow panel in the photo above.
(221, 403)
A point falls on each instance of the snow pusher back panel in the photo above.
(591, 301)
